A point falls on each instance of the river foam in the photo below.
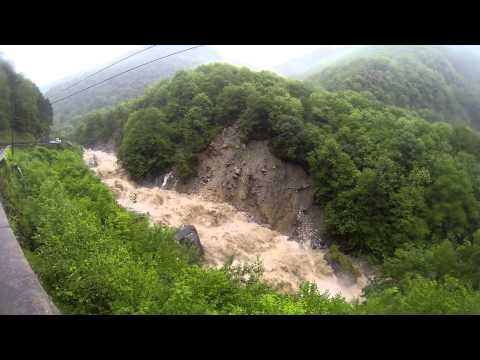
(224, 231)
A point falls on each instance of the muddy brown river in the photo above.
(224, 231)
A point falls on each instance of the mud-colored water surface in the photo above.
(224, 231)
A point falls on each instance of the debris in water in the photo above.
(133, 197)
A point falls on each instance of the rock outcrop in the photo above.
(252, 179)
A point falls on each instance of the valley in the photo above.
(225, 232)
(350, 185)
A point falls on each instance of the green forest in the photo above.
(395, 187)
(388, 137)
(94, 257)
(439, 82)
(33, 112)
(385, 176)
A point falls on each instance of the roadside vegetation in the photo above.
(395, 166)
(94, 257)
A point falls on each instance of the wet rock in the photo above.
(236, 172)
(344, 276)
(333, 264)
(318, 243)
(188, 235)
(118, 185)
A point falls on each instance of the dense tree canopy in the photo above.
(33, 112)
(439, 82)
(389, 180)
(384, 175)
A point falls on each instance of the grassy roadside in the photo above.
(93, 257)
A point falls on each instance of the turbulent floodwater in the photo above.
(224, 231)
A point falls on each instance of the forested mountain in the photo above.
(124, 87)
(384, 135)
(441, 83)
(33, 112)
(395, 187)
(363, 142)
(303, 66)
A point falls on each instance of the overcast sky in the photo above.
(44, 64)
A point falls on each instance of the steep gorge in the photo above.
(248, 176)
(226, 231)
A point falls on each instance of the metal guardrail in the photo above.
(20, 290)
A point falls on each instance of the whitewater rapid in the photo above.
(224, 231)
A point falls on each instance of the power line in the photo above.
(109, 66)
(124, 72)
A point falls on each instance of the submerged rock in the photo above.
(188, 235)
(93, 162)
(236, 172)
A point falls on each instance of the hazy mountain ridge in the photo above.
(124, 87)
(301, 67)
(440, 82)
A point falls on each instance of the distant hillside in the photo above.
(33, 112)
(124, 87)
(302, 67)
(384, 176)
(441, 83)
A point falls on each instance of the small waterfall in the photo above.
(165, 179)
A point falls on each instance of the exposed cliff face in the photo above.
(251, 178)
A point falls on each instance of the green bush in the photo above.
(420, 296)
(336, 256)
(94, 257)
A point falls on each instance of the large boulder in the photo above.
(188, 235)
